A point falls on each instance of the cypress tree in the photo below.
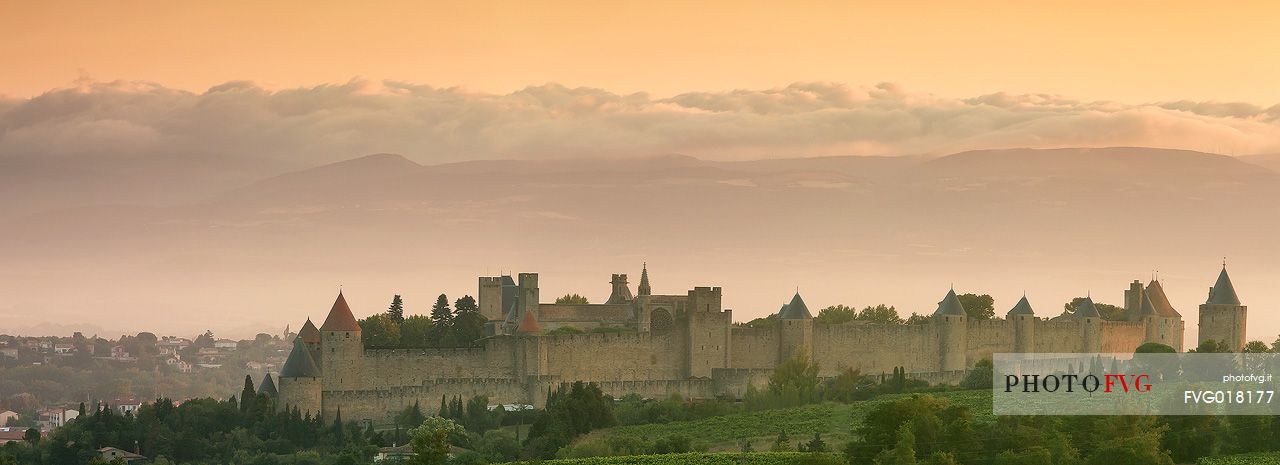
(339, 437)
(417, 417)
(247, 395)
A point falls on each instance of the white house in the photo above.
(51, 418)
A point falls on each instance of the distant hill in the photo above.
(853, 230)
(1269, 161)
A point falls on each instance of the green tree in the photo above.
(816, 445)
(441, 322)
(499, 445)
(571, 411)
(782, 443)
(1140, 447)
(917, 319)
(980, 376)
(1154, 348)
(881, 314)
(846, 386)
(1107, 311)
(835, 315)
(396, 310)
(339, 437)
(247, 395)
(430, 440)
(1211, 347)
(380, 331)
(979, 307)
(946, 458)
(572, 299)
(1256, 347)
(904, 450)
(468, 323)
(415, 331)
(795, 381)
(770, 321)
(1190, 437)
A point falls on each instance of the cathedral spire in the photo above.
(644, 280)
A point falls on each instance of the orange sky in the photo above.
(1129, 51)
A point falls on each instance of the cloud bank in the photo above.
(307, 126)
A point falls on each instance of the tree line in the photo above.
(459, 326)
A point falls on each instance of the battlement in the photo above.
(688, 345)
(528, 280)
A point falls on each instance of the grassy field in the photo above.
(757, 458)
(1257, 458)
(834, 421)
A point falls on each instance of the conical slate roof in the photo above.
(268, 386)
(950, 305)
(309, 333)
(1223, 292)
(1087, 309)
(1022, 308)
(340, 317)
(1155, 293)
(1147, 308)
(529, 325)
(299, 364)
(796, 310)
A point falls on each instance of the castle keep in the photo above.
(687, 344)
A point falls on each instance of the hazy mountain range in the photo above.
(234, 246)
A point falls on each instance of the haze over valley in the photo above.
(857, 230)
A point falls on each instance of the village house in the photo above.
(12, 434)
(110, 454)
(52, 418)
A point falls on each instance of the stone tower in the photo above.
(310, 336)
(621, 292)
(1149, 318)
(1170, 326)
(531, 356)
(706, 332)
(795, 326)
(1024, 326)
(1222, 317)
(341, 350)
(1133, 301)
(1091, 321)
(953, 330)
(300, 382)
(490, 295)
(527, 294)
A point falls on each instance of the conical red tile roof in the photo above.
(309, 333)
(340, 317)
